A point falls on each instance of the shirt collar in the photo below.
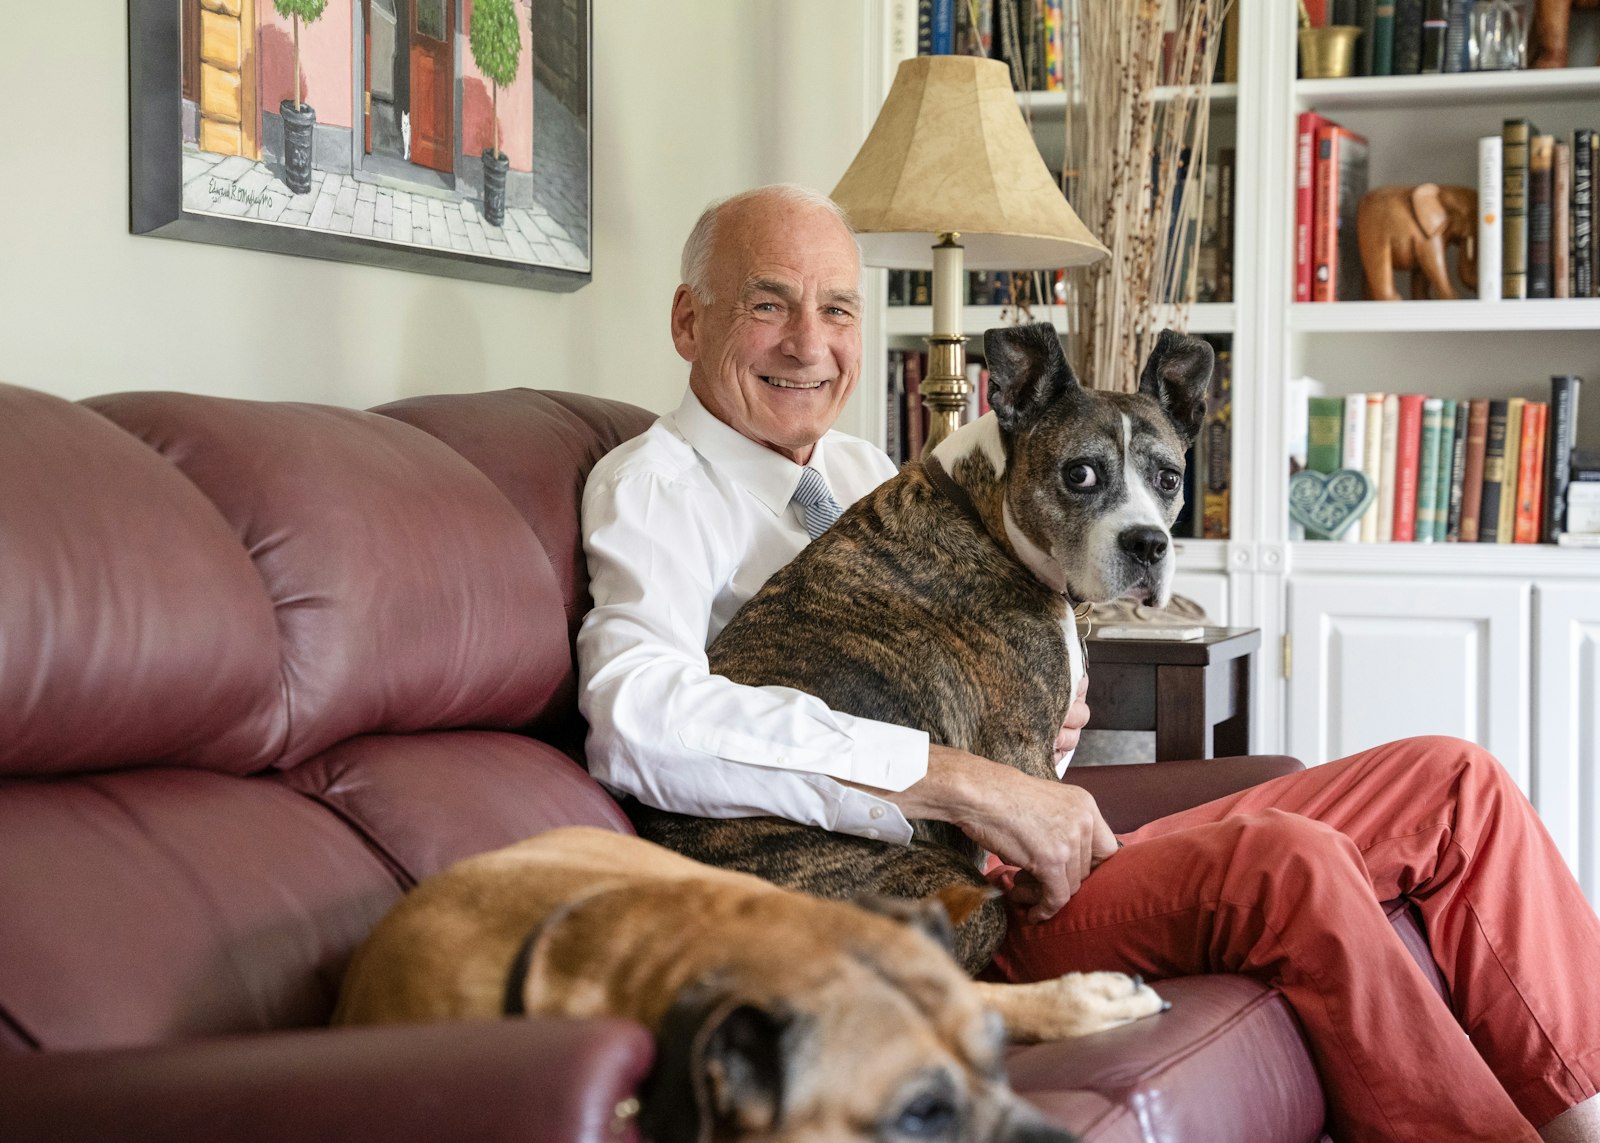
(769, 477)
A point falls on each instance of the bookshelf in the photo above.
(1497, 643)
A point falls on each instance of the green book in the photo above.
(1324, 433)
(1447, 458)
(1428, 471)
(1383, 38)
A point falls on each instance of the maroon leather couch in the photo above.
(265, 665)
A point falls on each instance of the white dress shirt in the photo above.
(681, 525)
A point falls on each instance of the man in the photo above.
(684, 523)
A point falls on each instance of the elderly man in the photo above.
(685, 523)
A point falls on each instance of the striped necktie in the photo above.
(817, 506)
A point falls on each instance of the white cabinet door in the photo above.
(1208, 589)
(1566, 773)
(1380, 659)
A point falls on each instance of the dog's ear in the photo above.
(1027, 371)
(720, 1069)
(1177, 376)
(936, 917)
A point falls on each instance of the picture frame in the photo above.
(438, 147)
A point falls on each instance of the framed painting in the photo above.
(440, 136)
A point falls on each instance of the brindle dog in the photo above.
(943, 602)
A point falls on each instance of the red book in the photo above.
(1305, 145)
(1407, 457)
(1339, 179)
(1472, 475)
(1317, 10)
(1530, 474)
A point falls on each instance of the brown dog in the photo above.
(942, 601)
(777, 1016)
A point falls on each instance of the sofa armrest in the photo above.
(536, 1079)
(1130, 796)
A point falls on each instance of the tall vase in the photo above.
(494, 187)
(297, 129)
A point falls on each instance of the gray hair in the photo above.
(695, 265)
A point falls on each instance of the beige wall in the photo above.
(692, 99)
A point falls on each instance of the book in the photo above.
(894, 421)
(1297, 394)
(1541, 174)
(1304, 199)
(1339, 181)
(1372, 465)
(1489, 221)
(1218, 432)
(942, 31)
(1515, 135)
(1317, 12)
(1530, 475)
(1583, 507)
(1367, 20)
(1407, 37)
(1472, 469)
(1227, 161)
(1383, 38)
(1441, 487)
(1055, 45)
(1583, 253)
(1388, 449)
(1508, 490)
(1324, 433)
(1435, 34)
(916, 414)
(1458, 472)
(1560, 437)
(1407, 458)
(1428, 470)
(1561, 222)
(1494, 472)
(1579, 539)
(1457, 54)
(1353, 449)
(924, 27)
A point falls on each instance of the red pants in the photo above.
(1282, 882)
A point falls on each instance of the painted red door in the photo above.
(432, 83)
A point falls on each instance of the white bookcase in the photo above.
(1458, 635)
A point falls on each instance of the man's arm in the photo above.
(664, 728)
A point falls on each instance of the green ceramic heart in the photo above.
(1328, 503)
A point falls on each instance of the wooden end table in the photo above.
(1195, 694)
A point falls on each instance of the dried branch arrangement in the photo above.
(1128, 148)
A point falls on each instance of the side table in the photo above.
(1195, 693)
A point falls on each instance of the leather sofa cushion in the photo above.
(408, 592)
(133, 627)
(425, 801)
(152, 905)
(1226, 1062)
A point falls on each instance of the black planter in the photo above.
(297, 125)
(494, 187)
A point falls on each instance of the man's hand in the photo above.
(1051, 831)
(1072, 726)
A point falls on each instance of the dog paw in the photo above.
(1077, 1004)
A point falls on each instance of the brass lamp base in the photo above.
(945, 389)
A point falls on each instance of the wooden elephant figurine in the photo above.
(1550, 22)
(1411, 229)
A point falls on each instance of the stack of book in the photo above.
(1543, 237)
(1330, 178)
(1583, 501)
(1403, 37)
(1447, 471)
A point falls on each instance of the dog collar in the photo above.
(952, 491)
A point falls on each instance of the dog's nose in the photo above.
(1145, 544)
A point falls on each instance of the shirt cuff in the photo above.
(869, 816)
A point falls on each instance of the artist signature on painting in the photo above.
(220, 190)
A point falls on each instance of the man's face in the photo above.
(777, 349)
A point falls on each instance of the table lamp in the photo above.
(950, 159)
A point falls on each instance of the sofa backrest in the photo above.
(262, 666)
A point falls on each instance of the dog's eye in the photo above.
(1080, 476)
(927, 1115)
(1169, 480)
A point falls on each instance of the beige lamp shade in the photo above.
(950, 152)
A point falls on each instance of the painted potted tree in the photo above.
(496, 49)
(298, 118)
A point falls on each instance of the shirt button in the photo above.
(873, 834)
(877, 811)
(782, 761)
